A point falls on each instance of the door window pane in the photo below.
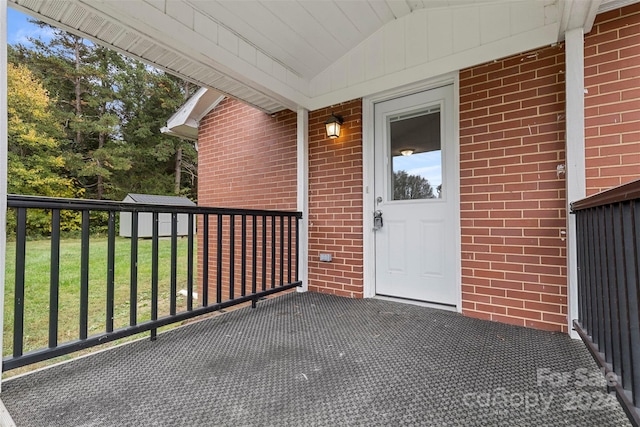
(416, 155)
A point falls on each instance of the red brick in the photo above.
(523, 151)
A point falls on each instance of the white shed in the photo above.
(145, 218)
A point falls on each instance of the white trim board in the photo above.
(418, 303)
(302, 167)
(575, 158)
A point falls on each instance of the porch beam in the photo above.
(3, 154)
(575, 158)
(302, 167)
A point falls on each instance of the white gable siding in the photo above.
(430, 42)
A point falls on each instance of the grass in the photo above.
(36, 304)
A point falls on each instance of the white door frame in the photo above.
(368, 174)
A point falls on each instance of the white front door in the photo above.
(415, 167)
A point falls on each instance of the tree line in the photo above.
(84, 121)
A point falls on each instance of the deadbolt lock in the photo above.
(377, 220)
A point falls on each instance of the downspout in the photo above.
(302, 167)
(3, 154)
(575, 158)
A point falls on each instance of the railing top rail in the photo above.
(622, 193)
(39, 202)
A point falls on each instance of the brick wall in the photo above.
(250, 158)
(335, 202)
(612, 102)
(248, 161)
(512, 198)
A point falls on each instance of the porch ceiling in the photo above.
(306, 53)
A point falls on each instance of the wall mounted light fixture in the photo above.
(333, 124)
(407, 151)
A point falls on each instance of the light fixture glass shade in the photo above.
(333, 126)
(407, 151)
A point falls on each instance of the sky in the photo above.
(19, 28)
(428, 165)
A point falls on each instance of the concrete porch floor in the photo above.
(319, 360)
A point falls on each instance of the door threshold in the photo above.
(446, 307)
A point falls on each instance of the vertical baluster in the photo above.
(606, 344)
(232, 254)
(84, 276)
(254, 247)
(281, 250)
(297, 249)
(54, 278)
(174, 264)
(243, 267)
(190, 263)
(18, 303)
(155, 218)
(613, 279)
(205, 260)
(582, 266)
(133, 272)
(273, 251)
(264, 252)
(111, 266)
(219, 261)
(593, 303)
(289, 277)
(597, 279)
(632, 283)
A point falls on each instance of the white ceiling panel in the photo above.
(301, 24)
(339, 26)
(282, 54)
(242, 26)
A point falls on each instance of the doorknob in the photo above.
(377, 220)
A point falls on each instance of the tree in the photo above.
(407, 187)
(35, 163)
(111, 109)
(81, 75)
(149, 98)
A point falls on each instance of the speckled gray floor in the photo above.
(319, 360)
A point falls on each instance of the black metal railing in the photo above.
(608, 242)
(243, 255)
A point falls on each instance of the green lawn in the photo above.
(36, 319)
